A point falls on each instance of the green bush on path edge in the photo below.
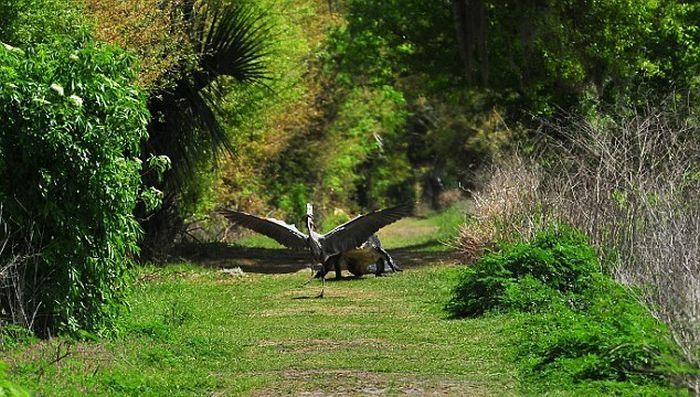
(577, 329)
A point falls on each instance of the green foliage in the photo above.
(332, 220)
(360, 158)
(393, 69)
(73, 123)
(386, 39)
(229, 42)
(12, 335)
(578, 329)
(38, 21)
(520, 275)
(606, 337)
(369, 162)
(8, 388)
(540, 55)
(261, 120)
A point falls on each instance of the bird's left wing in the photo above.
(352, 234)
(285, 234)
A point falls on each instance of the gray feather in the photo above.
(354, 233)
(285, 234)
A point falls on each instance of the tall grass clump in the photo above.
(630, 182)
(69, 177)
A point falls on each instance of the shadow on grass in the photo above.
(281, 260)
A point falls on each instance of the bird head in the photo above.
(309, 217)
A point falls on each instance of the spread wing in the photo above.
(283, 233)
(352, 234)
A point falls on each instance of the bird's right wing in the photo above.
(283, 233)
(352, 234)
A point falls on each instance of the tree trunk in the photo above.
(471, 24)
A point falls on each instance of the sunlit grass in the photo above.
(193, 331)
(197, 331)
(433, 232)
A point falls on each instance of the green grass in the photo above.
(257, 240)
(433, 232)
(193, 331)
(198, 331)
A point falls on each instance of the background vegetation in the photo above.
(125, 123)
(418, 97)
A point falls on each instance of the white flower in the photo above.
(78, 101)
(57, 88)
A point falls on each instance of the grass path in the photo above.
(195, 330)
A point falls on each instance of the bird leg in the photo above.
(323, 286)
(338, 269)
(321, 273)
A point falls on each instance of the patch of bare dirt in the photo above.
(326, 345)
(358, 383)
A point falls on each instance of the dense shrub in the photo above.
(606, 336)
(154, 31)
(576, 325)
(28, 22)
(628, 179)
(69, 177)
(559, 259)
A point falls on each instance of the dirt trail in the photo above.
(345, 383)
(273, 260)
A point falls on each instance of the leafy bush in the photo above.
(577, 326)
(29, 22)
(72, 125)
(147, 29)
(558, 259)
(627, 178)
(608, 336)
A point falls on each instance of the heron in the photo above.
(352, 244)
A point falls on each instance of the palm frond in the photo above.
(230, 40)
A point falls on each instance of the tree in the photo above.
(69, 181)
(229, 42)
